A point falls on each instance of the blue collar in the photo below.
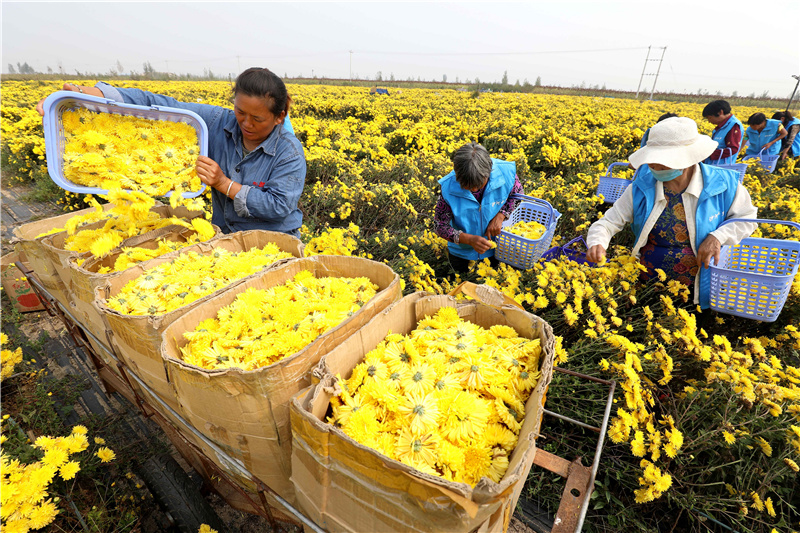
(457, 190)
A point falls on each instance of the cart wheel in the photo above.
(177, 495)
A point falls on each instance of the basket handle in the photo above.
(579, 238)
(610, 171)
(795, 225)
(534, 200)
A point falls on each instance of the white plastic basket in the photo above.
(57, 103)
(518, 251)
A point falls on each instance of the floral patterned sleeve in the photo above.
(442, 217)
(510, 204)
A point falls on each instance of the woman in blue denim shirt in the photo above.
(256, 166)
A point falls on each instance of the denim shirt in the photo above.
(272, 176)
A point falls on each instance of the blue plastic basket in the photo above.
(754, 277)
(768, 161)
(520, 252)
(741, 168)
(610, 187)
(57, 103)
(569, 251)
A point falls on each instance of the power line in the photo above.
(503, 53)
(377, 52)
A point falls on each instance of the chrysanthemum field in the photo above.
(705, 431)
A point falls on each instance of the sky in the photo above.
(711, 46)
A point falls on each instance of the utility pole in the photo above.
(658, 70)
(644, 69)
(167, 61)
(793, 92)
(239, 63)
(351, 66)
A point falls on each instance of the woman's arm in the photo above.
(621, 213)
(209, 113)
(781, 134)
(792, 133)
(742, 207)
(279, 196)
(512, 204)
(442, 216)
(733, 141)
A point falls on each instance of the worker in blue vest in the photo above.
(763, 134)
(665, 116)
(675, 207)
(474, 202)
(728, 131)
(790, 146)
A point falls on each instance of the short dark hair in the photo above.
(665, 116)
(263, 83)
(756, 119)
(713, 109)
(472, 165)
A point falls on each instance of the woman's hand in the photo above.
(708, 249)
(71, 87)
(209, 172)
(478, 243)
(596, 254)
(495, 226)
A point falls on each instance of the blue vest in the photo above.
(719, 136)
(644, 138)
(758, 140)
(719, 190)
(796, 144)
(472, 217)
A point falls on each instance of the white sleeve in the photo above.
(616, 217)
(742, 207)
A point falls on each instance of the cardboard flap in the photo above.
(485, 294)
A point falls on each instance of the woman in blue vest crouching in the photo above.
(763, 134)
(676, 206)
(474, 203)
(790, 146)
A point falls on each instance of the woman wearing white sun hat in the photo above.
(675, 207)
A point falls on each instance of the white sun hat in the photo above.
(674, 143)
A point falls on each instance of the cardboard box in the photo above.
(85, 280)
(136, 340)
(26, 241)
(246, 413)
(60, 258)
(345, 486)
(15, 284)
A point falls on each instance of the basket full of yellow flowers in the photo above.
(89, 273)
(237, 360)
(94, 145)
(426, 419)
(139, 303)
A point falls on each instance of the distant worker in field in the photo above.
(790, 145)
(676, 207)
(255, 165)
(473, 204)
(665, 116)
(728, 131)
(763, 134)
